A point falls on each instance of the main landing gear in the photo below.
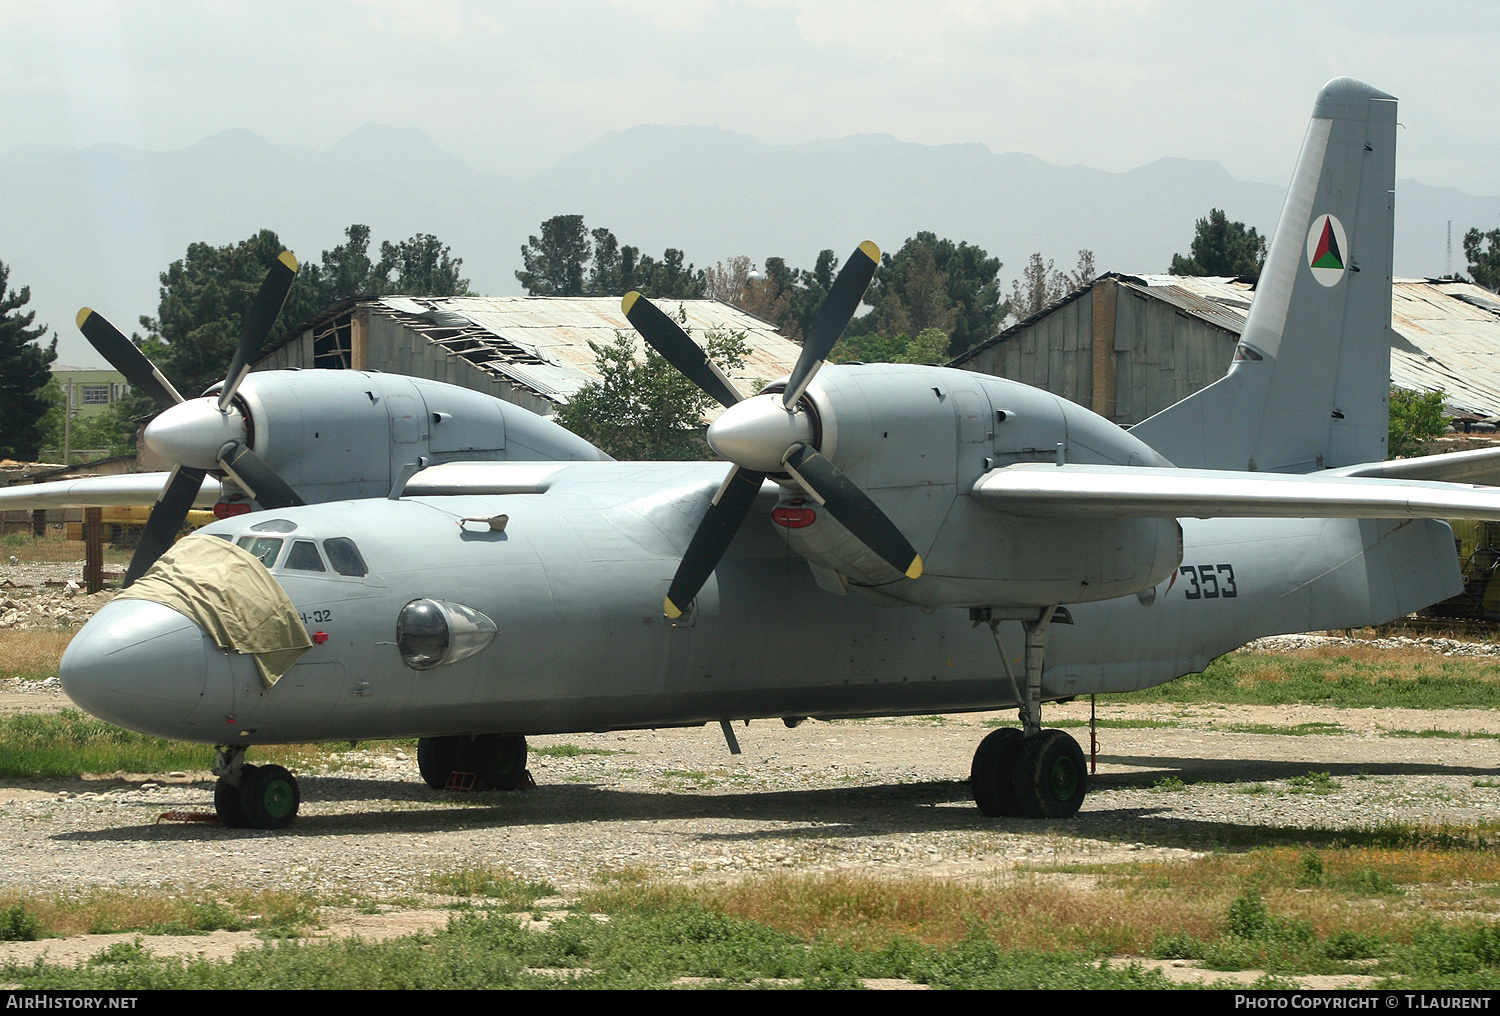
(481, 762)
(253, 797)
(1030, 772)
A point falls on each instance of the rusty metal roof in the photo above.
(1222, 302)
(1445, 335)
(542, 343)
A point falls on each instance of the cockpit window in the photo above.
(274, 526)
(304, 557)
(345, 557)
(264, 547)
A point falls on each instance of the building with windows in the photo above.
(89, 391)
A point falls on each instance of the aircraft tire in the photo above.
(437, 757)
(227, 804)
(498, 759)
(991, 775)
(1051, 776)
(269, 797)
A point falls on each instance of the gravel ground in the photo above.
(879, 796)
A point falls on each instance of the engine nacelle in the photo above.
(916, 440)
(342, 434)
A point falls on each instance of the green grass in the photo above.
(162, 911)
(573, 751)
(70, 743)
(1359, 678)
(1102, 724)
(1299, 730)
(504, 887)
(633, 950)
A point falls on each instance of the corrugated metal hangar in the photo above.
(1128, 346)
(529, 350)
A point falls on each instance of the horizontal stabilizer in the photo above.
(1477, 465)
(1085, 491)
(123, 491)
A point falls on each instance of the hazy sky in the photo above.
(510, 87)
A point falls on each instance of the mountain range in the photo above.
(95, 226)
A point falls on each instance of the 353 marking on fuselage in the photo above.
(1209, 581)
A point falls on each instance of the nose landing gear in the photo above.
(253, 797)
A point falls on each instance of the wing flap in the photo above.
(1101, 491)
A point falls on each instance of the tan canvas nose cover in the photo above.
(232, 596)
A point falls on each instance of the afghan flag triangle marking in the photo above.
(1327, 254)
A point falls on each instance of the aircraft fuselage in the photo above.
(574, 585)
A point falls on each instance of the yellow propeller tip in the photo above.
(83, 315)
(670, 609)
(914, 570)
(870, 251)
(628, 301)
(289, 259)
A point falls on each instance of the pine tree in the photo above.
(23, 373)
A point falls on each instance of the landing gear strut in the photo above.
(253, 797)
(485, 761)
(1029, 772)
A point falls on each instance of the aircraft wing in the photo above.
(1099, 491)
(123, 490)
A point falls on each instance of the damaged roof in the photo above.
(542, 343)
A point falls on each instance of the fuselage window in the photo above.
(304, 557)
(345, 557)
(264, 547)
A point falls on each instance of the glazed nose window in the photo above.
(433, 633)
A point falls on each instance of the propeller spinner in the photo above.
(772, 433)
(199, 434)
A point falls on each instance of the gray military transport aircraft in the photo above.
(426, 561)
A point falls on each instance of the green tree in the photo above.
(556, 262)
(1483, 252)
(1416, 418)
(1041, 284)
(23, 372)
(204, 295)
(1221, 247)
(421, 266)
(569, 259)
(930, 346)
(932, 282)
(646, 410)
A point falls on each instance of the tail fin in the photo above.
(1309, 387)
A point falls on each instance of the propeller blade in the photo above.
(853, 509)
(121, 354)
(259, 479)
(834, 315)
(722, 520)
(167, 516)
(257, 323)
(677, 348)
